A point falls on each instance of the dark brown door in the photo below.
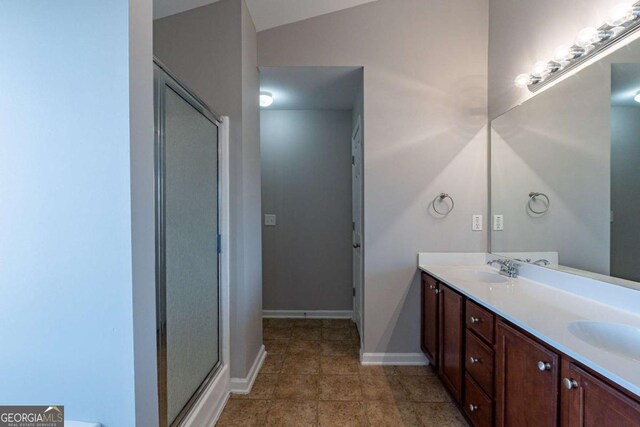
(451, 340)
(589, 402)
(527, 376)
(429, 335)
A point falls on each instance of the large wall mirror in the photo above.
(565, 173)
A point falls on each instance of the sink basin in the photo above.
(616, 338)
(482, 276)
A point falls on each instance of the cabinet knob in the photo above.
(474, 320)
(432, 287)
(473, 408)
(544, 366)
(437, 291)
(569, 383)
(473, 360)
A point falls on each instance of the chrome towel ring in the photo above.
(440, 199)
(532, 198)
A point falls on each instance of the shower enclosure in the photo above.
(188, 245)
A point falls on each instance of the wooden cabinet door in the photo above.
(451, 368)
(590, 402)
(527, 377)
(429, 324)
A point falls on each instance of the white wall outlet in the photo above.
(476, 223)
(498, 222)
(270, 220)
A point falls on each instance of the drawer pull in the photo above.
(569, 383)
(544, 366)
(473, 408)
(474, 320)
(474, 360)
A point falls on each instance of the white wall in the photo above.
(523, 32)
(213, 50)
(75, 314)
(425, 65)
(306, 182)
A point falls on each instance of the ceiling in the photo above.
(625, 84)
(311, 88)
(265, 13)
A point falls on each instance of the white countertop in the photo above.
(546, 310)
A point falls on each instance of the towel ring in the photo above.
(532, 198)
(440, 198)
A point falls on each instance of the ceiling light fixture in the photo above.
(637, 97)
(622, 20)
(266, 99)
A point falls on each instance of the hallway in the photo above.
(312, 377)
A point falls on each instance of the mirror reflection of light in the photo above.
(266, 99)
(637, 97)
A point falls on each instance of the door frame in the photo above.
(207, 403)
(358, 130)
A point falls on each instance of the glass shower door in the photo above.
(189, 267)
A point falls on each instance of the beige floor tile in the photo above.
(272, 364)
(336, 334)
(244, 413)
(338, 348)
(307, 323)
(337, 323)
(340, 387)
(365, 370)
(301, 365)
(339, 365)
(383, 388)
(278, 323)
(263, 388)
(382, 414)
(308, 334)
(414, 370)
(284, 413)
(271, 333)
(276, 346)
(303, 347)
(342, 414)
(424, 388)
(297, 387)
(439, 415)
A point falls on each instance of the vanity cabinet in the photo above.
(429, 319)
(527, 378)
(590, 402)
(451, 331)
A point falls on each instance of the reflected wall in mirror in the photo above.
(565, 172)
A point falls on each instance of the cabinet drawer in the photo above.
(480, 321)
(477, 405)
(479, 362)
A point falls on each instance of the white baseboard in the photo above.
(208, 408)
(308, 314)
(412, 359)
(244, 385)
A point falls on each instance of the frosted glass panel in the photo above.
(191, 229)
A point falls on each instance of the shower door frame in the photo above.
(163, 79)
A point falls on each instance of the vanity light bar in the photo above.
(622, 21)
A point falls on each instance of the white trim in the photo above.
(412, 359)
(244, 385)
(308, 314)
(208, 408)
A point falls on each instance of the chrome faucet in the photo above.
(508, 267)
(541, 262)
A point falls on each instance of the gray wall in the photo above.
(625, 192)
(306, 182)
(77, 304)
(213, 49)
(524, 32)
(425, 132)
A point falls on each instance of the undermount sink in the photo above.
(482, 276)
(616, 338)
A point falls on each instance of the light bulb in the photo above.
(540, 69)
(620, 14)
(637, 97)
(586, 37)
(522, 81)
(561, 54)
(266, 99)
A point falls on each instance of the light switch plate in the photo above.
(270, 220)
(476, 223)
(498, 222)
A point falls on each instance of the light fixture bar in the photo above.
(590, 42)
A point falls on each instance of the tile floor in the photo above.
(312, 377)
